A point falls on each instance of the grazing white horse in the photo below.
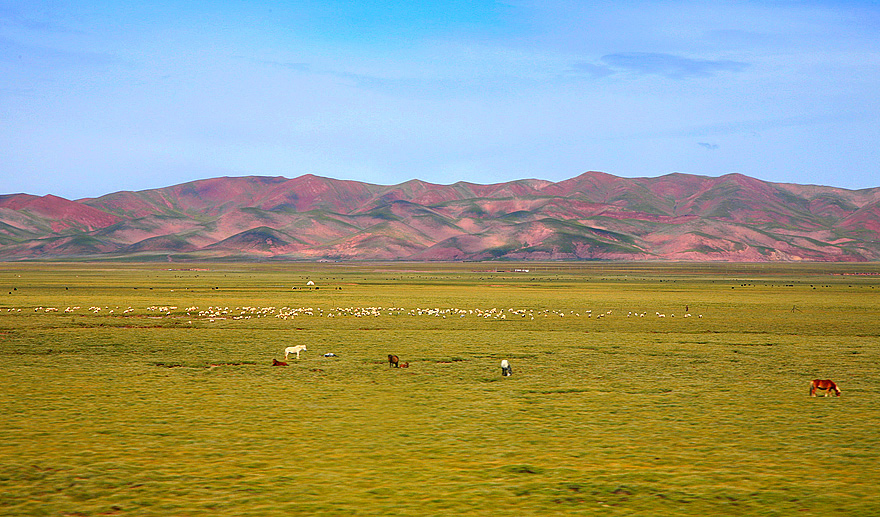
(506, 370)
(294, 350)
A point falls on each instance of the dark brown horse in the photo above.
(276, 362)
(826, 385)
(393, 361)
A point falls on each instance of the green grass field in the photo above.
(147, 389)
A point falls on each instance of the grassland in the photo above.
(143, 389)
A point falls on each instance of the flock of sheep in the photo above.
(218, 313)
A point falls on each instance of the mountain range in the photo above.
(594, 216)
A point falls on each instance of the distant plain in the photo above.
(148, 389)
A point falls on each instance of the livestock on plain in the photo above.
(294, 350)
(826, 385)
(506, 369)
(393, 361)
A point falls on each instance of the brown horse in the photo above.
(405, 365)
(276, 362)
(393, 361)
(826, 385)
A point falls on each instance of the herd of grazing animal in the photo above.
(825, 385)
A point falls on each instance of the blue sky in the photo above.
(97, 97)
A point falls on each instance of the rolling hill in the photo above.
(594, 216)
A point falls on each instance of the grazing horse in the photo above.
(506, 369)
(393, 361)
(276, 362)
(294, 350)
(826, 385)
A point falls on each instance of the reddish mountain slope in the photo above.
(591, 216)
(58, 212)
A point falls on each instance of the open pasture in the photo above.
(148, 389)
